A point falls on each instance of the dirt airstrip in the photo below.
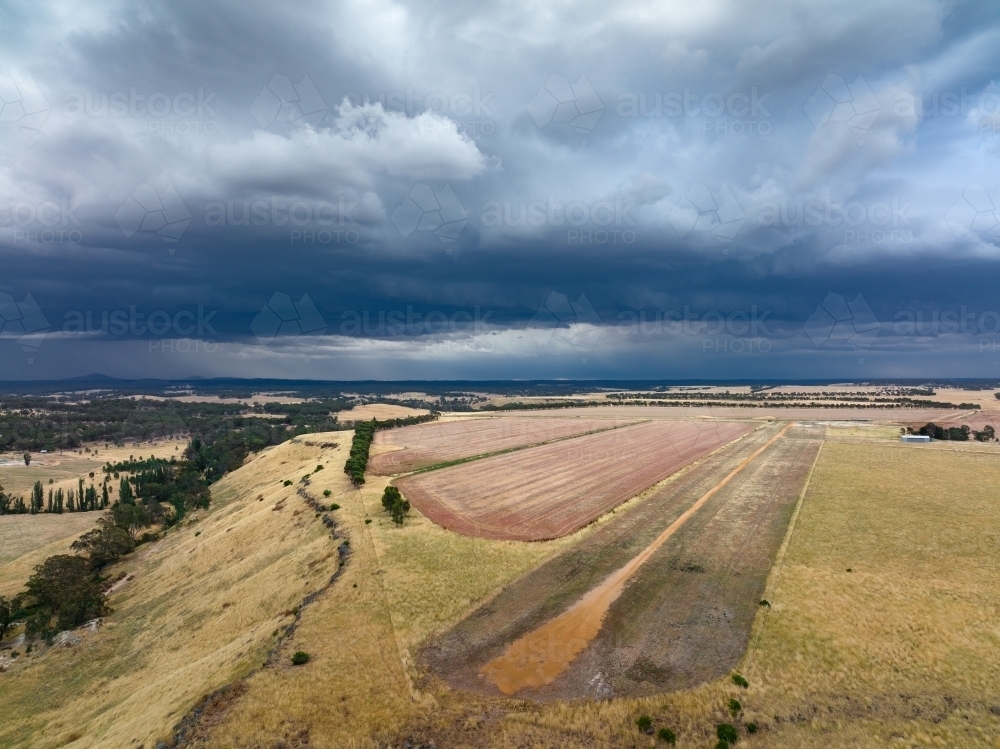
(684, 616)
(552, 490)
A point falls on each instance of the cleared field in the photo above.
(550, 491)
(421, 445)
(371, 411)
(789, 413)
(682, 619)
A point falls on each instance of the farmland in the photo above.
(877, 559)
(423, 445)
(552, 490)
(683, 618)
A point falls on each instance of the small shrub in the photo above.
(723, 744)
(197, 533)
(15, 654)
(300, 658)
(727, 733)
(765, 603)
(739, 681)
(28, 649)
(665, 734)
(645, 723)
(318, 468)
(368, 521)
(752, 728)
(334, 506)
(287, 482)
(735, 707)
(327, 492)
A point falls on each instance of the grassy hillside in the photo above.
(205, 605)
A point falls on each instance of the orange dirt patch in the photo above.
(552, 490)
(422, 445)
(525, 665)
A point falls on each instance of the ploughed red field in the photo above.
(549, 491)
(423, 445)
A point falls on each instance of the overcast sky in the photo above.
(724, 189)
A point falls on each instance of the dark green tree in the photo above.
(7, 609)
(131, 518)
(63, 588)
(105, 544)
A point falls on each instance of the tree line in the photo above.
(364, 433)
(955, 434)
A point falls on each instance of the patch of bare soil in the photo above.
(683, 617)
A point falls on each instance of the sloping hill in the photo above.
(203, 606)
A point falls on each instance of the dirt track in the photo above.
(550, 491)
(684, 617)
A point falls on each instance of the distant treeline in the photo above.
(364, 433)
(36, 423)
(956, 434)
(711, 400)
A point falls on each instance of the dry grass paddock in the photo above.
(205, 606)
(902, 651)
(27, 540)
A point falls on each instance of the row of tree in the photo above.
(956, 434)
(364, 433)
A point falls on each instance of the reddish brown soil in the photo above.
(683, 618)
(550, 491)
(424, 445)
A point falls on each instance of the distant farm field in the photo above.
(422, 445)
(552, 490)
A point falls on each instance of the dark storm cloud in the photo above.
(399, 190)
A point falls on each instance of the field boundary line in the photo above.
(402, 652)
(774, 580)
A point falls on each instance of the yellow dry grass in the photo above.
(27, 540)
(410, 582)
(902, 651)
(204, 607)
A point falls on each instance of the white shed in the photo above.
(914, 438)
